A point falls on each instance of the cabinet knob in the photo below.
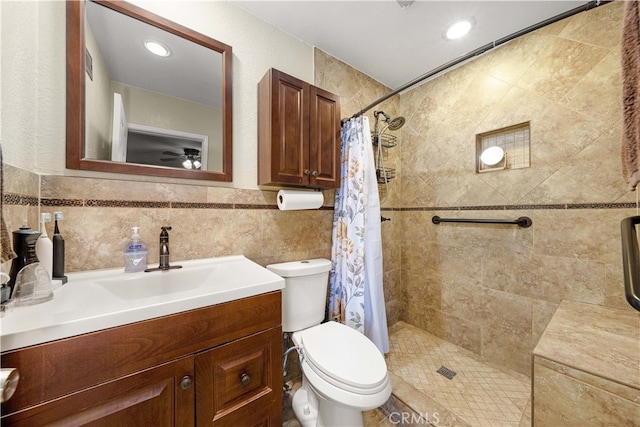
(9, 381)
(307, 172)
(245, 379)
(314, 173)
(186, 382)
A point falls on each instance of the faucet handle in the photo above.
(165, 229)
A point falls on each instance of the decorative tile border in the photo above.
(198, 205)
(563, 206)
(17, 199)
(20, 200)
(61, 202)
(253, 206)
(125, 204)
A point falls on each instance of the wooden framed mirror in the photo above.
(131, 112)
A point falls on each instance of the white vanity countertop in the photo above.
(83, 305)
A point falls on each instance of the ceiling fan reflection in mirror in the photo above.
(189, 160)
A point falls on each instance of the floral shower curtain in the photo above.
(356, 296)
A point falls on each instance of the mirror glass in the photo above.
(145, 95)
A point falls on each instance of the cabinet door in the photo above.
(240, 383)
(324, 140)
(154, 397)
(289, 129)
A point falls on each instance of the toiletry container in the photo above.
(135, 253)
(58, 251)
(44, 245)
(24, 245)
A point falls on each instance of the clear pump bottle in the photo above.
(135, 253)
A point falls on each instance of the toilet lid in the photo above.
(345, 355)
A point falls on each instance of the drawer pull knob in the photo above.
(9, 378)
(245, 379)
(315, 174)
(307, 172)
(186, 382)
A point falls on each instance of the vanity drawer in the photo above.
(240, 378)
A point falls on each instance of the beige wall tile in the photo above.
(560, 67)
(614, 296)
(507, 350)
(561, 400)
(541, 316)
(591, 234)
(600, 27)
(506, 312)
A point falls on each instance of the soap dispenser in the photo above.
(135, 253)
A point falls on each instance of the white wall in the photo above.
(177, 114)
(98, 102)
(33, 77)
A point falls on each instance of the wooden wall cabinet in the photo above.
(298, 133)
(215, 366)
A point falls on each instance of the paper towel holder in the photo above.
(309, 190)
(299, 199)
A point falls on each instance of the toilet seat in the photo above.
(344, 358)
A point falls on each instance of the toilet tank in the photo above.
(305, 292)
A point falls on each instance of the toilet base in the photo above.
(314, 411)
(305, 409)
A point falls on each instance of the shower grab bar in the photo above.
(523, 221)
(631, 260)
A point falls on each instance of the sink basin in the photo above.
(146, 285)
(101, 299)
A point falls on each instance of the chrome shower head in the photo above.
(396, 123)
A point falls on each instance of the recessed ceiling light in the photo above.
(157, 48)
(459, 29)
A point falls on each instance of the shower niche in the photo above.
(505, 148)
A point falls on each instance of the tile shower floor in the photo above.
(478, 395)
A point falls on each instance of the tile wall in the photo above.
(206, 221)
(493, 289)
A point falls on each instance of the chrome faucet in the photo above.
(164, 252)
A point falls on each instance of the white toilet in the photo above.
(343, 372)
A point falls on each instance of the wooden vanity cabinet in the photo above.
(298, 133)
(218, 366)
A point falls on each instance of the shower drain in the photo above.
(446, 372)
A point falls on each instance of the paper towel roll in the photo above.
(290, 200)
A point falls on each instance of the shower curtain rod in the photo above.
(484, 49)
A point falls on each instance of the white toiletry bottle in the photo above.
(44, 245)
(135, 253)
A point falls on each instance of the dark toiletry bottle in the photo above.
(58, 251)
(24, 245)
